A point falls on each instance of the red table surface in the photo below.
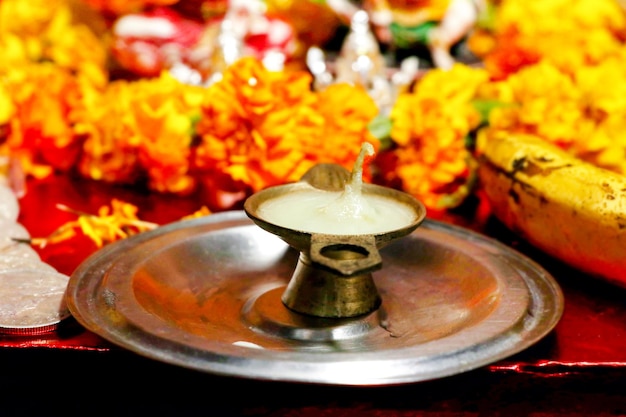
(589, 342)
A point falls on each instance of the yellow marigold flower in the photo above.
(13, 50)
(7, 108)
(430, 127)
(570, 51)
(566, 33)
(547, 104)
(563, 16)
(76, 47)
(28, 18)
(111, 223)
(603, 102)
(37, 31)
(201, 212)
(583, 113)
(583, 110)
(115, 222)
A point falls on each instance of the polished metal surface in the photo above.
(205, 294)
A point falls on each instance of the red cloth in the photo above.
(591, 333)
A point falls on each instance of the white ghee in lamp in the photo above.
(347, 212)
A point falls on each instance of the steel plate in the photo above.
(205, 294)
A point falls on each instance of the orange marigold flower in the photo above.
(142, 130)
(430, 127)
(165, 111)
(45, 99)
(261, 128)
(110, 142)
(510, 55)
(347, 111)
(249, 125)
(46, 81)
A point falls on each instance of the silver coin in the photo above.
(12, 234)
(23, 260)
(32, 298)
(9, 205)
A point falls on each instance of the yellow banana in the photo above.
(570, 209)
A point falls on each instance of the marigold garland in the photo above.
(60, 111)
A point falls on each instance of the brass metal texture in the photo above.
(333, 276)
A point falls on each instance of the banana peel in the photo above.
(568, 208)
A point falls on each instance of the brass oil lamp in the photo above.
(333, 276)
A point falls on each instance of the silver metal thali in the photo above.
(206, 294)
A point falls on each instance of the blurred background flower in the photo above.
(76, 101)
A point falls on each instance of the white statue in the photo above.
(439, 24)
(460, 18)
